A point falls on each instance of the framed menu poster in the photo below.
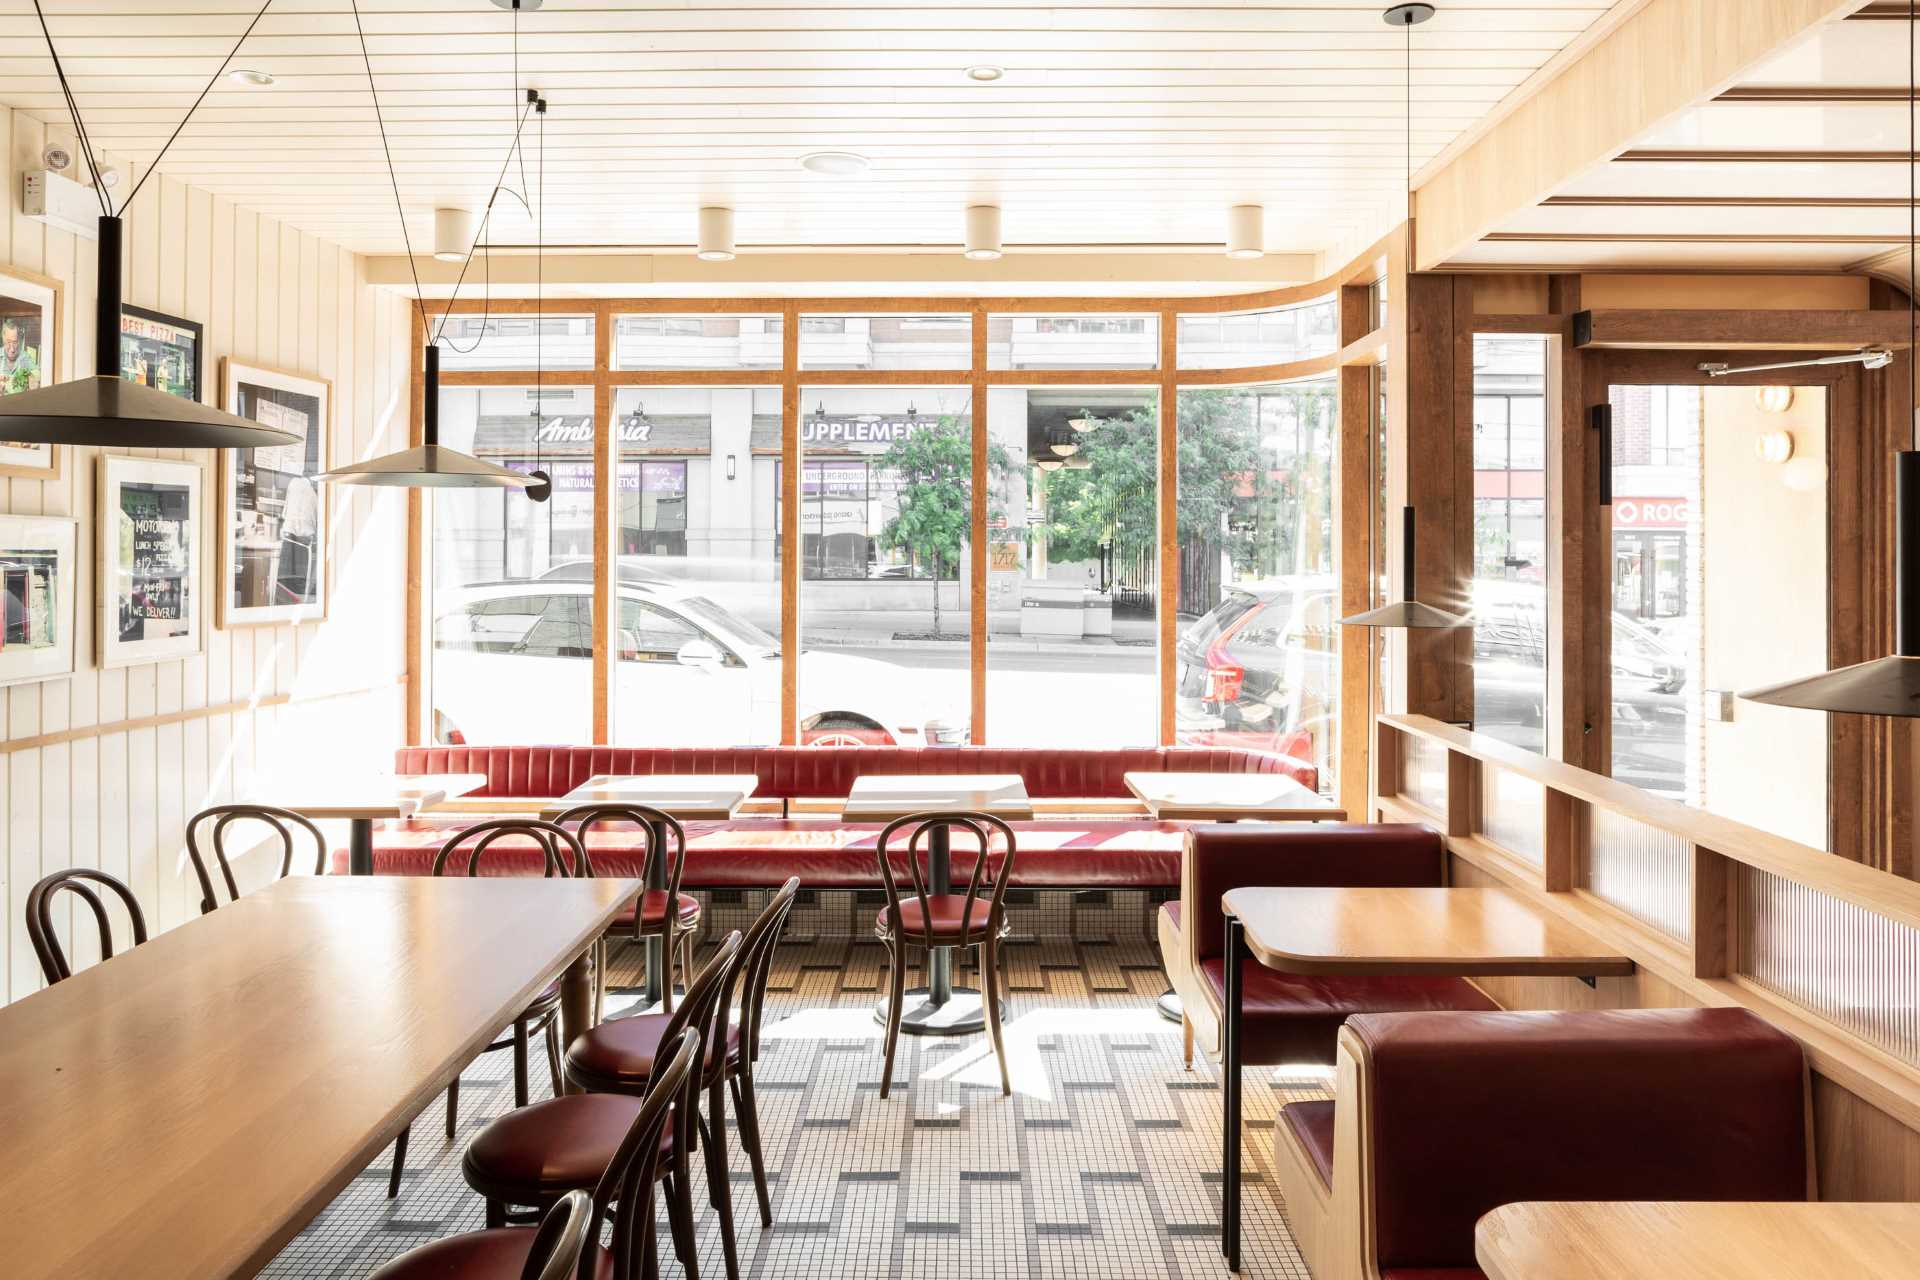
(160, 351)
(29, 359)
(149, 572)
(38, 579)
(273, 525)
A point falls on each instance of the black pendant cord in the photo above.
(80, 128)
(380, 123)
(542, 487)
(1409, 120)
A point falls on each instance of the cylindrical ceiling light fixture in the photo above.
(1246, 231)
(716, 234)
(983, 232)
(453, 233)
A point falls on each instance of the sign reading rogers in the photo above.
(1651, 513)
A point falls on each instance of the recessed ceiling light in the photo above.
(839, 164)
(251, 78)
(985, 72)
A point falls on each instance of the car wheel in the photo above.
(843, 729)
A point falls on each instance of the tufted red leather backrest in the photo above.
(1475, 1110)
(789, 772)
(1314, 855)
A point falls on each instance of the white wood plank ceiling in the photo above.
(1115, 124)
(1803, 165)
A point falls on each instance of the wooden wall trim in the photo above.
(1167, 559)
(187, 715)
(790, 544)
(977, 536)
(1757, 330)
(419, 685)
(606, 500)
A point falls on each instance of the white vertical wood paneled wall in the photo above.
(118, 798)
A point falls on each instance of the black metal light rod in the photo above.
(1406, 553)
(1906, 554)
(430, 396)
(106, 301)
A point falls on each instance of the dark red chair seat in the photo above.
(1312, 1124)
(951, 920)
(653, 911)
(619, 1054)
(499, 1254)
(1433, 1273)
(1288, 1018)
(536, 1153)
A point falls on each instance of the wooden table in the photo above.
(939, 1008)
(686, 796)
(363, 801)
(183, 1109)
(1627, 1240)
(1230, 797)
(1461, 933)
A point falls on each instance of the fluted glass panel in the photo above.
(1843, 962)
(1642, 870)
(1423, 772)
(1513, 813)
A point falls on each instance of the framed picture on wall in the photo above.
(29, 359)
(38, 580)
(272, 522)
(149, 572)
(160, 351)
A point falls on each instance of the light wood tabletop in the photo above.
(684, 796)
(1229, 797)
(183, 1109)
(371, 798)
(1462, 932)
(1627, 1240)
(884, 797)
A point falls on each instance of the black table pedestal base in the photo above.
(963, 1014)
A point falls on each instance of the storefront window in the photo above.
(886, 341)
(1258, 656)
(696, 342)
(698, 586)
(1510, 539)
(511, 617)
(1095, 341)
(1071, 574)
(1238, 339)
(516, 342)
(885, 512)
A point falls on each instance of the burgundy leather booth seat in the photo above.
(825, 853)
(1472, 1111)
(788, 773)
(1289, 1018)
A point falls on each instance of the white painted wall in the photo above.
(118, 798)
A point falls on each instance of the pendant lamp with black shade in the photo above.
(1888, 686)
(1406, 611)
(429, 465)
(102, 408)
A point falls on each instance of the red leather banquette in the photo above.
(757, 852)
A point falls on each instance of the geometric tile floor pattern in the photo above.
(1105, 1162)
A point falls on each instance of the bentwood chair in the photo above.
(543, 1014)
(531, 1156)
(224, 816)
(628, 1179)
(650, 916)
(79, 882)
(934, 916)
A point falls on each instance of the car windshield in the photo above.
(737, 630)
(1207, 629)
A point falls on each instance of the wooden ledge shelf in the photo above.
(1619, 330)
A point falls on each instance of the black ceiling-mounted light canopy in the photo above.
(1406, 611)
(103, 409)
(1888, 686)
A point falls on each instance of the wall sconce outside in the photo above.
(730, 465)
(1774, 399)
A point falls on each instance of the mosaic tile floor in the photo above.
(1105, 1162)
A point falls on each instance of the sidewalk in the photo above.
(878, 628)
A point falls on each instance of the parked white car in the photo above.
(506, 655)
